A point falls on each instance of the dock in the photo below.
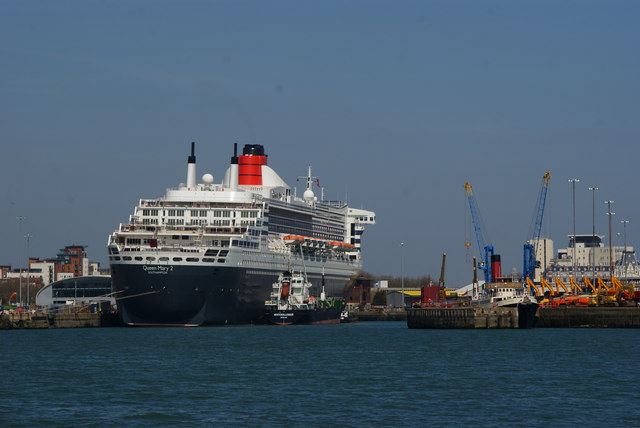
(588, 316)
(398, 315)
(463, 318)
(40, 320)
(544, 317)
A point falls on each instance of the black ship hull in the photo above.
(303, 316)
(527, 313)
(178, 295)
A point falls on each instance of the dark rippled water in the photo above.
(360, 374)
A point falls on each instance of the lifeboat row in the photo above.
(317, 242)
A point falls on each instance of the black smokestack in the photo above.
(234, 159)
(192, 158)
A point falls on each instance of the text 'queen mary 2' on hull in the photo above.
(207, 254)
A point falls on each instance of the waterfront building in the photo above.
(70, 262)
(544, 256)
(592, 258)
(77, 291)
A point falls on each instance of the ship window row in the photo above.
(267, 264)
(579, 268)
(201, 213)
(306, 232)
(175, 259)
(245, 244)
(197, 222)
(194, 222)
(137, 241)
(261, 272)
(306, 226)
(80, 290)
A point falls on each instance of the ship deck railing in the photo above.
(161, 203)
(197, 229)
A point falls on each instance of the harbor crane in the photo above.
(485, 249)
(531, 247)
(441, 280)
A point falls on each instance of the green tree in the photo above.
(380, 298)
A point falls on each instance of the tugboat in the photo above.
(504, 294)
(509, 295)
(291, 303)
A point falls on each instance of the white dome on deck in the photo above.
(309, 195)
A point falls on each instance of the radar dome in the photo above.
(308, 195)
(207, 179)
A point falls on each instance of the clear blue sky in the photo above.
(395, 104)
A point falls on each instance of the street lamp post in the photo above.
(28, 237)
(624, 253)
(20, 219)
(593, 237)
(573, 182)
(402, 270)
(610, 214)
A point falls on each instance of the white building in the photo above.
(544, 255)
(591, 258)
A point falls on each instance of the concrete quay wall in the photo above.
(25, 320)
(589, 316)
(462, 318)
(378, 316)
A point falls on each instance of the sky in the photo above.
(395, 104)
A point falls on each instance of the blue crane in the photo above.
(531, 246)
(485, 263)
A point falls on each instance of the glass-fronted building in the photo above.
(80, 290)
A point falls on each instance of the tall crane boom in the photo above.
(441, 280)
(485, 249)
(530, 247)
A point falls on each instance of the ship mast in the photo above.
(309, 196)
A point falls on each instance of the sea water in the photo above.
(352, 375)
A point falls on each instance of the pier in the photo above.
(41, 320)
(463, 318)
(589, 316)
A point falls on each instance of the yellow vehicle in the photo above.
(574, 285)
(534, 286)
(559, 283)
(589, 284)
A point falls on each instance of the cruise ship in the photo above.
(207, 254)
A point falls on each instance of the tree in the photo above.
(380, 298)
